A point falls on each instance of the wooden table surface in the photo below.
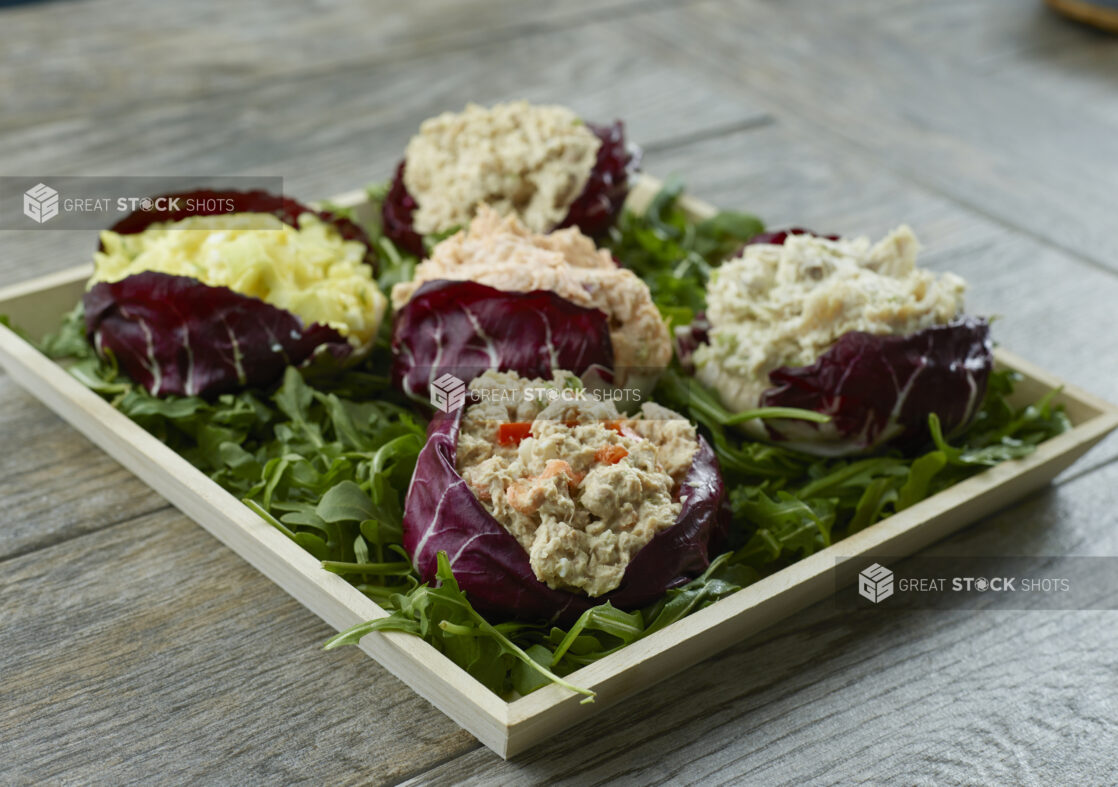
(135, 648)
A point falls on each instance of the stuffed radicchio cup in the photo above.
(547, 503)
(845, 328)
(498, 296)
(226, 289)
(542, 164)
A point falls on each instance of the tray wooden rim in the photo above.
(511, 727)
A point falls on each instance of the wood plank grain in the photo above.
(993, 36)
(122, 56)
(147, 651)
(56, 484)
(1076, 76)
(1002, 41)
(935, 698)
(336, 132)
(1017, 154)
(829, 697)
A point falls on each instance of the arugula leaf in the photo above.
(675, 255)
(624, 626)
(443, 616)
(69, 340)
(920, 474)
(527, 679)
(786, 525)
(345, 501)
(721, 578)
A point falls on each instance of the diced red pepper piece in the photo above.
(513, 433)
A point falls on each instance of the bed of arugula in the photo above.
(327, 462)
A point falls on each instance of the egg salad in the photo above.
(309, 270)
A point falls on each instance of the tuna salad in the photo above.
(540, 163)
(520, 159)
(784, 305)
(501, 252)
(580, 488)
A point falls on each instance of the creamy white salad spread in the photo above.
(309, 270)
(581, 488)
(785, 305)
(531, 161)
(501, 252)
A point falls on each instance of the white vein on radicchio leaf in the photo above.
(441, 513)
(465, 328)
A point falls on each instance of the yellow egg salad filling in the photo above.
(309, 270)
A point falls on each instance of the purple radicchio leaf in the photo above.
(175, 335)
(596, 209)
(204, 202)
(441, 513)
(396, 216)
(593, 211)
(689, 337)
(880, 389)
(464, 328)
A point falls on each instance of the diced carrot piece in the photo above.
(513, 433)
(610, 454)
